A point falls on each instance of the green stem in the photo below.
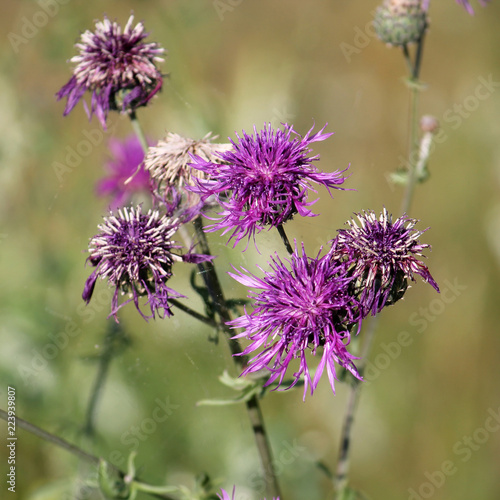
(284, 238)
(341, 477)
(111, 346)
(71, 448)
(253, 406)
(139, 132)
(194, 314)
(342, 472)
(414, 146)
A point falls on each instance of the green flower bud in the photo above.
(398, 22)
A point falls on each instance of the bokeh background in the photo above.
(233, 64)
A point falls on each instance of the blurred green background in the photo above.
(230, 67)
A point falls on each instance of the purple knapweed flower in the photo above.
(263, 180)
(135, 252)
(117, 68)
(224, 495)
(382, 256)
(464, 3)
(303, 306)
(126, 156)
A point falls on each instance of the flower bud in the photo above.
(429, 123)
(398, 22)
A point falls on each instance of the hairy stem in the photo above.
(253, 407)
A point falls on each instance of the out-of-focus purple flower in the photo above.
(117, 68)
(464, 3)
(135, 252)
(303, 306)
(224, 495)
(126, 156)
(468, 7)
(382, 256)
(263, 181)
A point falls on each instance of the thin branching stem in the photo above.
(71, 448)
(113, 342)
(194, 314)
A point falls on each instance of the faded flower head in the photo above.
(399, 22)
(126, 156)
(263, 181)
(117, 68)
(382, 256)
(135, 252)
(224, 495)
(168, 161)
(303, 306)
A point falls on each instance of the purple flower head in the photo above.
(224, 495)
(117, 68)
(263, 181)
(382, 256)
(126, 156)
(464, 3)
(302, 306)
(135, 252)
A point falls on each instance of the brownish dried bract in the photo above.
(168, 161)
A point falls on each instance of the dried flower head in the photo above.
(382, 256)
(303, 306)
(135, 252)
(117, 68)
(399, 22)
(263, 181)
(126, 156)
(168, 161)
